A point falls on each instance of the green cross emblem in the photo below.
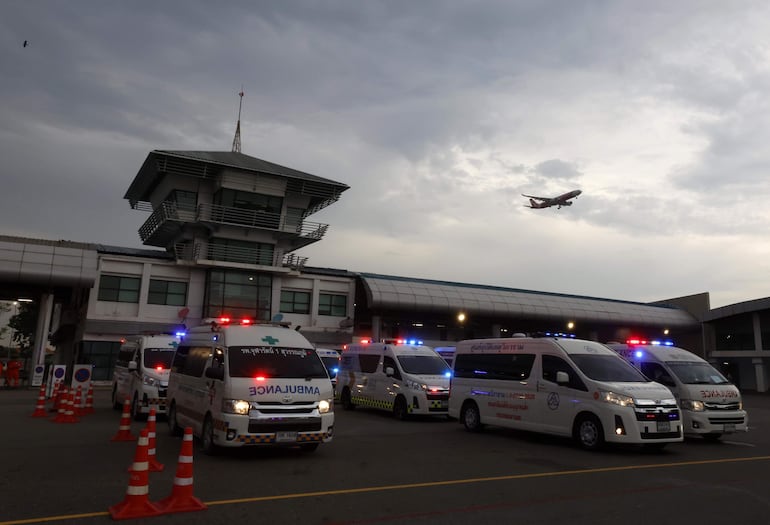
(173, 344)
(270, 340)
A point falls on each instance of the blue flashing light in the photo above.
(448, 374)
(668, 343)
(638, 354)
(180, 334)
(336, 370)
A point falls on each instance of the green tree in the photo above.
(24, 324)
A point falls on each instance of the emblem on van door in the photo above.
(287, 399)
(553, 400)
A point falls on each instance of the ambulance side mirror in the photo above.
(562, 377)
(389, 371)
(132, 365)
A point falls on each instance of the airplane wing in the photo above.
(537, 198)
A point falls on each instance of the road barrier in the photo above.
(124, 431)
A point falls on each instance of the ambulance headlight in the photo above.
(419, 386)
(325, 406)
(693, 404)
(617, 399)
(149, 381)
(236, 406)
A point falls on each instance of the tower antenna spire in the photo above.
(237, 139)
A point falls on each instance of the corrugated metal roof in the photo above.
(421, 294)
(755, 305)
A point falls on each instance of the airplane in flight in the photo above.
(547, 202)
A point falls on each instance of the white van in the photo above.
(401, 378)
(331, 360)
(141, 373)
(447, 352)
(711, 405)
(250, 384)
(567, 387)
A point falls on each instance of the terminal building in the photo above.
(222, 236)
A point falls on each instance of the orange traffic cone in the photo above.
(137, 503)
(69, 410)
(124, 432)
(40, 407)
(181, 498)
(78, 401)
(154, 465)
(89, 408)
(55, 396)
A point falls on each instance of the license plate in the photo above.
(285, 437)
(730, 427)
(664, 426)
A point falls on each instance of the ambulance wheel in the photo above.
(173, 427)
(712, 437)
(347, 403)
(400, 410)
(207, 437)
(471, 417)
(309, 447)
(589, 432)
(115, 403)
(136, 412)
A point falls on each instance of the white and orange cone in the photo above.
(89, 408)
(137, 503)
(182, 498)
(40, 406)
(124, 431)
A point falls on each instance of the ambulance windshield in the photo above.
(424, 365)
(275, 362)
(158, 358)
(697, 373)
(603, 367)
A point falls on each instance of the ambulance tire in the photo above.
(471, 417)
(588, 432)
(347, 403)
(309, 447)
(136, 413)
(400, 410)
(173, 426)
(116, 404)
(207, 437)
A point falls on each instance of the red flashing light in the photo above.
(224, 320)
(245, 321)
(260, 378)
(159, 368)
(365, 341)
(636, 342)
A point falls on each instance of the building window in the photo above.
(253, 209)
(330, 304)
(295, 302)
(231, 250)
(238, 294)
(172, 293)
(102, 355)
(117, 289)
(184, 200)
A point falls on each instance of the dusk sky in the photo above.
(437, 114)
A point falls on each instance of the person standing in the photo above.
(12, 374)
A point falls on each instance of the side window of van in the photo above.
(656, 372)
(124, 356)
(180, 357)
(389, 361)
(196, 361)
(368, 362)
(513, 367)
(553, 364)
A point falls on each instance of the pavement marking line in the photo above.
(361, 490)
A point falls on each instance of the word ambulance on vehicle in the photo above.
(561, 386)
(403, 378)
(711, 405)
(244, 383)
(141, 373)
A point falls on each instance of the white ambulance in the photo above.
(242, 383)
(331, 360)
(562, 386)
(711, 405)
(406, 379)
(141, 373)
